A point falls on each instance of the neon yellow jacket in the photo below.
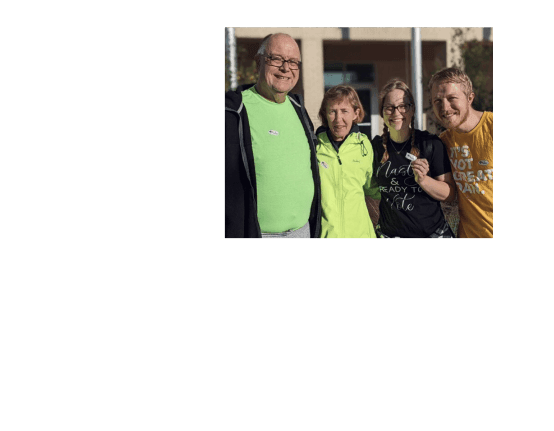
(346, 178)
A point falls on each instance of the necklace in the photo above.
(398, 152)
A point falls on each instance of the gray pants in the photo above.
(303, 232)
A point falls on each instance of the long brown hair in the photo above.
(396, 84)
(339, 93)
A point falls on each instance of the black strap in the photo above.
(426, 150)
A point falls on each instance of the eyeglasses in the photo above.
(278, 62)
(401, 108)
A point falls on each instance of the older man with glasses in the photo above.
(272, 187)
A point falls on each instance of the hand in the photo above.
(420, 168)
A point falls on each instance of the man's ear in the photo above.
(470, 98)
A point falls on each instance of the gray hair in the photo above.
(263, 47)
(262, 50)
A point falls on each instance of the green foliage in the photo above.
(477, 57)
(227, 83)
(476, 61)
(246, 68)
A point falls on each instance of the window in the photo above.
(359, 76)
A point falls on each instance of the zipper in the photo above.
(341, 200)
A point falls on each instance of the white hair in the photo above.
(263, 47)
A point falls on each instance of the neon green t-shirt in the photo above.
(282, 161)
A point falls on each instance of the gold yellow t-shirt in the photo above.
(470, 155)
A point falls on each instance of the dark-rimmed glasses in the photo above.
(278, 62)
(401, 108)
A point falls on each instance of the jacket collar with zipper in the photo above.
(354, 129)
(352, 138)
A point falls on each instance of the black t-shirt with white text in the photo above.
(406, 210)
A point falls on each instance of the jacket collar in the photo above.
(354, 129)
(233, 98)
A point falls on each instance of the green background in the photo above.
(123, 308)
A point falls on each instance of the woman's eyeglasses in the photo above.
(401, 108)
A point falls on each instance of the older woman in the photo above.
(411, 191)
(345, 161)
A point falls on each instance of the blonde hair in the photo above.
(396, 84)
(452, 74)
(339, 93)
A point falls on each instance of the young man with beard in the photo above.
(272, 187)
(468, 139)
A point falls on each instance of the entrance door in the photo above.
(361, 77)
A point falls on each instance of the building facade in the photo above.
(365, 58)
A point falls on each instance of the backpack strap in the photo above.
(378, 151)
(426, 147)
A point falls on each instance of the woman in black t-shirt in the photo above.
(411, 191)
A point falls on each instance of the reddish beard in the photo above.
(462, 119)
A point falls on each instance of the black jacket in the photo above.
(241, 219)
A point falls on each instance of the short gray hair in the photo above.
(263, 47)
(262, 50)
